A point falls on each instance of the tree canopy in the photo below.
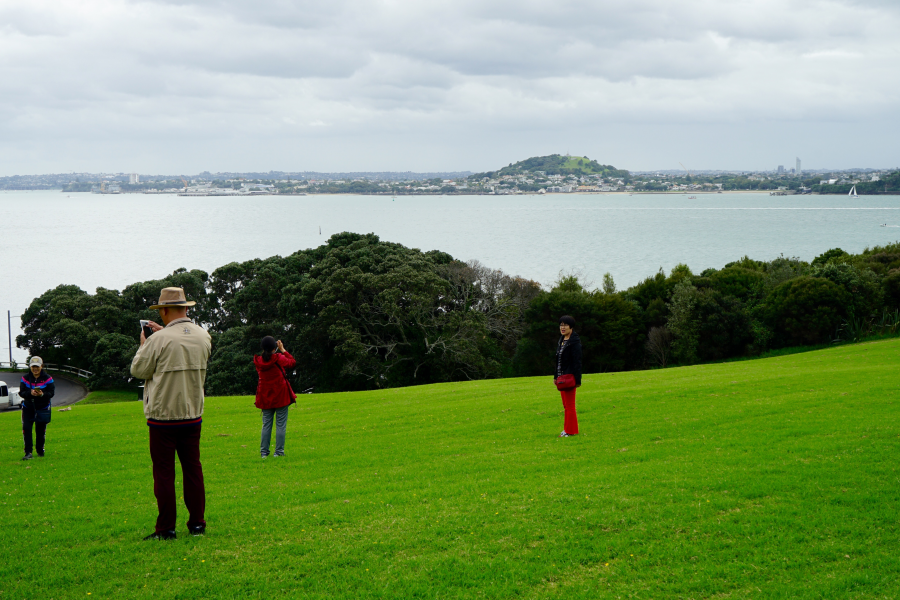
(360, 313)
(356, 313)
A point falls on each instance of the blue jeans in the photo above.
(280, 415)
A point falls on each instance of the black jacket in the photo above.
(568, 358)
(42, 382)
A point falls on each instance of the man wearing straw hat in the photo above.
(172, 361)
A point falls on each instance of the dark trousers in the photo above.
(570, 424)
(164, 444)
(39, 428)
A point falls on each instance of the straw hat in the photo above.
(171, 297)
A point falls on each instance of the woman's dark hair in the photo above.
(268, 346)
(567, 320)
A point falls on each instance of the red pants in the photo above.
(570, 425)
(164, 444)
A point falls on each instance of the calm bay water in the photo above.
(111, 241)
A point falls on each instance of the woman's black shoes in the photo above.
(162, 535)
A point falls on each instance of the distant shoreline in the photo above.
(585, 193)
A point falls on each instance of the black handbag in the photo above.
(42, 415)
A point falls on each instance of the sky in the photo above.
(436, 85)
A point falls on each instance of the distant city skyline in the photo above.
(135, 178)
(161, 86)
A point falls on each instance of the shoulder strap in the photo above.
(287, 381)
(283, 374)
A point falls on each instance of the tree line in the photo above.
(889, 184)
(360, 313)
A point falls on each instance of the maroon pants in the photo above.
(570, 425)
(164, 444)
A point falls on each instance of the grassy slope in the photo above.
(110, 396)
(774, 478)
(572, 163)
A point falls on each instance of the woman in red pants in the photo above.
(568, 362)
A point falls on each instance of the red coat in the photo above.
(273, 390)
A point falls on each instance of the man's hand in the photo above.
(35, 392)
(154, 326)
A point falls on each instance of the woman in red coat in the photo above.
(273, 392)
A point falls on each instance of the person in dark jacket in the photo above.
(568, 362)
(36, 389)
(273, 393)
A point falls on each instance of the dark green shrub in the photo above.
(740, 282)
(610, 328)
(890, 286)
(806, 310)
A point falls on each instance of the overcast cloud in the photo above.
(168, 87)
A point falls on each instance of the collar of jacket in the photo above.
(572, 338)
(181, 320)
(44, 376)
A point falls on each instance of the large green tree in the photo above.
(610, 328)
(806, 310)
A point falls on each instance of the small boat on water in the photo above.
(692, 197)
(853, 193)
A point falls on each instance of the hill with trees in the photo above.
(556, 164)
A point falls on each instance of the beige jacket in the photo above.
(173, 363)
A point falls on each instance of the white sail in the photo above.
(853, 192)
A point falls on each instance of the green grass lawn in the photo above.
(775, 478)
(110, 396)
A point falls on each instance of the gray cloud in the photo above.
(239, 85)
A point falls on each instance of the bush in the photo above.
(832, 256)
(739, 282)
(806, 310)
(610, 328)
(890, 287)
(230, 371)
(866, 294)
(725, 327)
(111, 360)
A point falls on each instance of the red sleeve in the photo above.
(285, 360)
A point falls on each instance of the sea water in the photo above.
(91, 240)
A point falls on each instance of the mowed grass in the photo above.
(775, 478)
(110, 396)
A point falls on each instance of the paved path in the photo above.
(67, 391)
